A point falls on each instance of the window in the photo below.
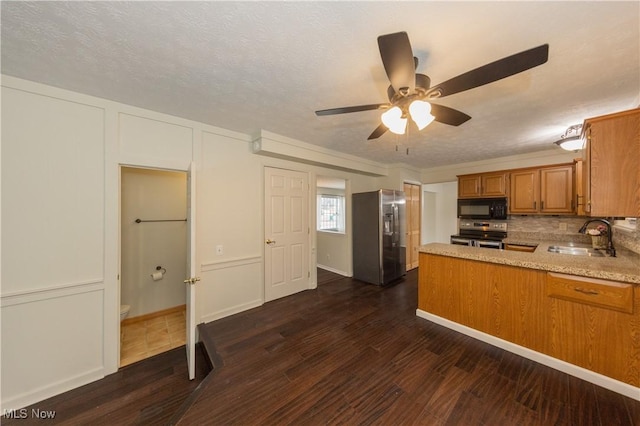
(330, 213)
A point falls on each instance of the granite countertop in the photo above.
(624, 268)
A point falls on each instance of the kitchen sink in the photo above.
(576, 250)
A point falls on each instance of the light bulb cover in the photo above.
(421, 113)
(570, 144)
(392, 119)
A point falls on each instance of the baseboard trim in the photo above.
(334, 270)
(231, 311)
(152, 315)
(571, 369)
(28, 398)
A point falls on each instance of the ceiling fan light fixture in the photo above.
(420, 112)
(393, 120)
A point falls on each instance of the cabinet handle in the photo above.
(534, 205)
(541, 205)
(586, 291)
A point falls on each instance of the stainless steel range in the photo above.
(480, 233)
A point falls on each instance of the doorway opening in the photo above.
(153, 253)
(332, 235)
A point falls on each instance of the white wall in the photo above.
(333, 253)
(439, 212)
(62, 153)
(53, 281)
(229, 214)
(153, 195)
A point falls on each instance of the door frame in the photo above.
(420, 198)
(311, 220)
(120, 166)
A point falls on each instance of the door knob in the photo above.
(192, 280)
(270, 241)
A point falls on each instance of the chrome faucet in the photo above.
(610, 249)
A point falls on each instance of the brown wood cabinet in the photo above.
(544, 190)
(520, 247)
(492, 184)
(504, 301)
(611, 175)
(592, 323)
(524, 194)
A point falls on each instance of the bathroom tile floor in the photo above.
(145, 338)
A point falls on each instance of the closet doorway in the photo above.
(412, 194)
(153, 253)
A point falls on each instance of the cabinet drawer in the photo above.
(591, 291)
(520, 247)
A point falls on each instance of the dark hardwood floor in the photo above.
(355, 353)
(346, 353)
(149, 392)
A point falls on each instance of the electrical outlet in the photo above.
(563, 226)
(219, 250)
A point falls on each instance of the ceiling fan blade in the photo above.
(397, 58)
(345, 110)
(379, 131)
(494, 71)
(448, 115)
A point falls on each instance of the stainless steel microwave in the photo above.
(482, 208)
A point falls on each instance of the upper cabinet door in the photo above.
(469, 186)
(494, 185)
(482, 185)
(556, 190)
(611, 172)
(523, 196)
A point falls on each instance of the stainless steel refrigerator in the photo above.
(379, 248)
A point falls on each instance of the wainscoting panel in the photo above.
(51, 342)
(230, 286)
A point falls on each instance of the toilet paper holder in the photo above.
(160, 274)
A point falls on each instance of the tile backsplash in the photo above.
(554, 227)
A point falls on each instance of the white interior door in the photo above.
(286, 232)
(191, 270)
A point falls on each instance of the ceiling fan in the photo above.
(410, 93)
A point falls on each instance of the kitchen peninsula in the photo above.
(579, 314)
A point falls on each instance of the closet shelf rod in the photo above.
(162, 220)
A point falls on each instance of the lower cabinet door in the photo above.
(593, 325)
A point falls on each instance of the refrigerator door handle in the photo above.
(396, 225)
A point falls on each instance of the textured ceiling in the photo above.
(247, 66)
